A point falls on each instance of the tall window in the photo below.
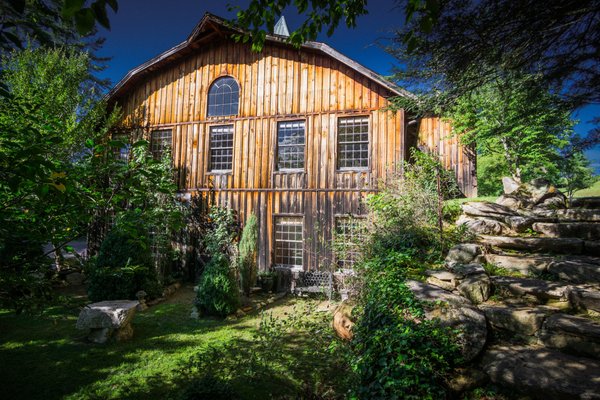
(290, 145)
(353, 142)
(221, 148)
(288, 242)
(223, 97)
(160, 140)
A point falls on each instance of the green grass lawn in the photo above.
(589, 192)
(45, 357)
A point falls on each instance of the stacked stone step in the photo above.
(538, 347)
(533, 274)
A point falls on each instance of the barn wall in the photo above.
(278, 84)
(436, 136)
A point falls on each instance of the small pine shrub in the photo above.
(218, 290)
(247, 254)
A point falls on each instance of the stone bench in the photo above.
(108, 319)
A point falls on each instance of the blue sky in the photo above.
(143, 29)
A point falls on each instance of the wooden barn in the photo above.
(296, 136)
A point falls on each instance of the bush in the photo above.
(123, 267)
(247, 257)
(124, 247)
(397, 352)
(122, 283)
(218, 290)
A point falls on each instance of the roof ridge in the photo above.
(208, 17)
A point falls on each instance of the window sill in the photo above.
(353, 169)
(220, 172)
(290, 171)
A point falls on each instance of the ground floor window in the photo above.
(160, 141)
(288, 242)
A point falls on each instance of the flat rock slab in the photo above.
(487, 209)
(522, 264)
(483, 225)
(575, 271)
(574, 214)
(521, 320)
(584, 297)
(586, 202)
(425, 292)
(581, 230)
(443, 279)
(463, 253)
(538, 288)
(535, 245)
(464, 270)
(543, 373)
(573, 334)
(108, 319)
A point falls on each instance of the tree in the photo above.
(576, 173)
(320, 15)
(49, 22)
(473, 42)
(515, 118)
(44, 118)
(59, 173)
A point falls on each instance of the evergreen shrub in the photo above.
(218, 292)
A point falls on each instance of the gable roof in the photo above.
(211, 25)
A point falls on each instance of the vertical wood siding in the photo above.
(278, 84)
(436, 136)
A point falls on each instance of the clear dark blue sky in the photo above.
(143, 29)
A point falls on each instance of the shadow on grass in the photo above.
(45, 357)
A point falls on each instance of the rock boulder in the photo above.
(108, 319)
(543, 373)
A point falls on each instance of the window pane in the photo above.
(160, 140)
(353, 142)
(223, 97)
(290, 145)
(288, 242)
(221, 148)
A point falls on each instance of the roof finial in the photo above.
(281, 28)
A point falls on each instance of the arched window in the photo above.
(223, 97)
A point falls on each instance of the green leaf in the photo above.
(99, 9)
(113, 4)
(84, 21)
(71, 7)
